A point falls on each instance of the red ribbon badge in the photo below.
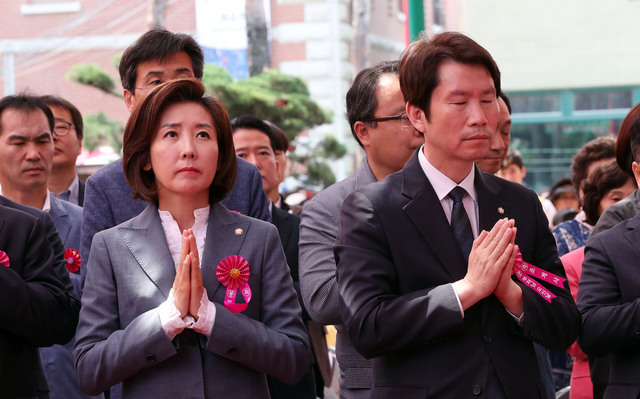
(72, 260)
(233, 273)
(4, 259)
(522, 269)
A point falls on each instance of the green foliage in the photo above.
(116, 61)
(319, 173)
(215, 75)
(92, 75)
(100, 130)
(332, 148)
(281, 99)
(314, 156)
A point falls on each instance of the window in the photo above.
(37, 7)
(588, 101)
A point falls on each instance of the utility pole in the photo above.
(8, 70)
(257, 44)
(156, 13)
(416, 18)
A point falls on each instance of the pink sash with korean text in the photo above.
(233, 273)
(523, 270)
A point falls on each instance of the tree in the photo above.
(92, 75)
(313, 154)
(100, 130)
(258, 58)
(361, 11)
(279, 98)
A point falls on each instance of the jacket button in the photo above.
(487, 339)
(151, 358)
(476, 390)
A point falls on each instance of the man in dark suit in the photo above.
(27, 147)
(67, 139)
(608, 293)
(37, 309)
(439, 312)
(379, 124)
(254, 142)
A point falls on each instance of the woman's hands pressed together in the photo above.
(187, 286)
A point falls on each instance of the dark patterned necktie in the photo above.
(460, 222)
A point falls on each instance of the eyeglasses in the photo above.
(403, 118)
(62, 128)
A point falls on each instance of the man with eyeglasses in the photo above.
(27, 152)
(67, 143)
(376, 113)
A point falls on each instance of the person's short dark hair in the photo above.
(563, 215)
(628, 141)
(76, 116)
(361, 97)
(251, 122)
(281, 140)
(25, 103)
(513, 157)
(141, 129)
(421, 60)
(605, 178)
(590, 152)
(506, 100)
(158, 44)
(561, 186)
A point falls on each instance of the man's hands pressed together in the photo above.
(489, 270)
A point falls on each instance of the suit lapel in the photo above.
(60, 217)
(632, 234)
(426, 213)
(145, 238)
(225, 236)
(490, 207)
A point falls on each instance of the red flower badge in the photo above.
(4, 259)
(72, 260)
(233, 273)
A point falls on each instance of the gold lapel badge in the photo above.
(239, 232)
(501, 210)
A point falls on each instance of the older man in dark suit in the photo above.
(379, 124)
(439, 312)
(36, 307)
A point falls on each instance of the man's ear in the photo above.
(635, 166)
(129, 100)
(524, 172)
(417, 118)
(362, 131)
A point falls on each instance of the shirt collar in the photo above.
(442, 184)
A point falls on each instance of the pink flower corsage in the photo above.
(4, 259)
(72, 260)
(233, 273)
(523, 270)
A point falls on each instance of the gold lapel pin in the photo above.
(239, 232)
(501, 210)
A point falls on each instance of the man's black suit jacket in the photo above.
(609, 300)
(396, 257)
(35, 307)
